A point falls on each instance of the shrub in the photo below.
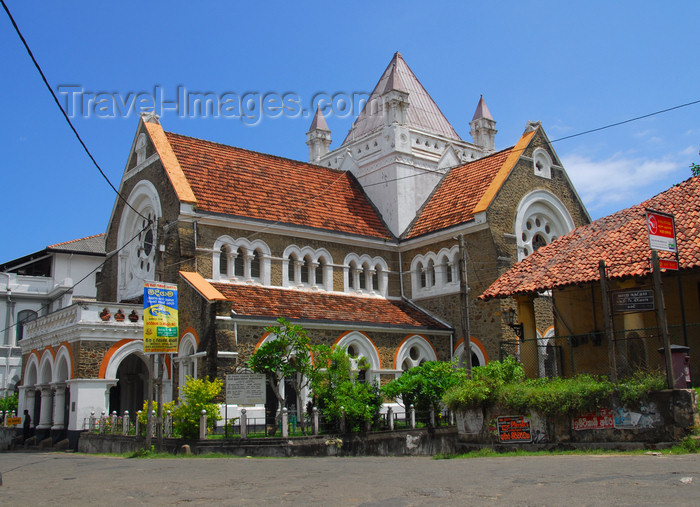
(424, 386)
(197, 395)
(504, 382)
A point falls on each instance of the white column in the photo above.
(46, 412)
(26, 401)
(59, 404)
(312, 274)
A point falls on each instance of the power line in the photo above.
(597, 129)
(65, 116)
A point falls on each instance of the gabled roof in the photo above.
(90, 245)
(423, 113)
(467, 190)
(620, 239)
(250, 301)
(233, 181)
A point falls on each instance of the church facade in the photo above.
(359, 245)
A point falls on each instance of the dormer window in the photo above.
(141, 149)
(542, 163)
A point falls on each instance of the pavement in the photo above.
(38, 478)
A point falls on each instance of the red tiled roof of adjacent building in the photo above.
(256, 301)
(244, 183)
(455, 198)
(620, 239)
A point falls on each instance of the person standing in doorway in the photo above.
(27, 425)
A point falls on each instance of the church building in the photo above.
(358, 245)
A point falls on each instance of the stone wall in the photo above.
(667, 416)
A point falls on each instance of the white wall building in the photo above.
(38, 284)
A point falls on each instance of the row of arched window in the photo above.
(247, 261)
(435, 273)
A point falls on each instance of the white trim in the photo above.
(544, 206)
(421, 345)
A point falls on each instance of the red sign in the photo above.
(662, 231)
(668, 264)
(601, 420)
(512, 429)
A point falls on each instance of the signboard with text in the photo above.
(600, 420)
(245, 389)
(514, 429)
(662, 231)
(160, 318)
(637, 300)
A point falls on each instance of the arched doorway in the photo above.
(132, 384)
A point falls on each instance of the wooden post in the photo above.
(607, 318)
(661, 316)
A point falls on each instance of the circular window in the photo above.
(414, 353)
(351, 351)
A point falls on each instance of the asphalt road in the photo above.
(73, 479)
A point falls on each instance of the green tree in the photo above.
(197, 395)
(424, 386)
(287, 356)
(8, 404)
(339, 384)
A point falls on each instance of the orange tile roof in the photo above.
(266, 302)
(620, 239)
(455, 198)
(244, 183)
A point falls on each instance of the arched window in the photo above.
(223, 260)
(22, 318)
(239, 264)
(541, 218)
(366, 274)
(414, 351)
(321, 272)
(430, 274)
(291, 267)
(305, 264)
(255, 264)
(352, 276)
(422, 275)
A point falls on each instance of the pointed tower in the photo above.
(318, 138)
(483, 127)
(400, 146)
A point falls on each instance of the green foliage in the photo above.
(425, 385)
(143, 415)
(9, 403)
(504, 382)
(336, 387)
(197, 395)
(688, 445)
(286, 356)
(695, 168)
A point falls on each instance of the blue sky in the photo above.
(573, 66)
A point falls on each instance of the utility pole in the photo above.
(464, 305)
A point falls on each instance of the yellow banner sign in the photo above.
(14, 421)
(160, 321)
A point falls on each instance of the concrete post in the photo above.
(154, 425)
(368, 425)
(342, 419)
(203, 425)
(92, 422)
(285, 422)
(125, 423)
(432, 417)
(244, 423)
(114, 422)
(412, 416)
(314, 411)
(168, 425)
(390, 418)
(103, 422)
(138, 423)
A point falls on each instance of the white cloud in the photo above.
(690, 150)
(619, 181)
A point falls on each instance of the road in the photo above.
(75, 479)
